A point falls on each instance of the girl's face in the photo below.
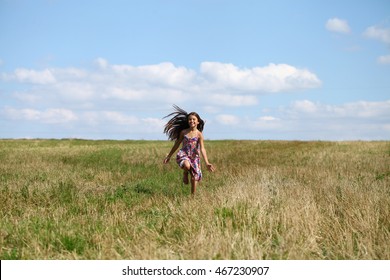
(193, 121)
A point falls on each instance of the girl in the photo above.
(187, 129)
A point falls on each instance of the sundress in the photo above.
(190, 152)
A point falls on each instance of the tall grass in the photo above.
(78, 199)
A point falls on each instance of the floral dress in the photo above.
(190, 152)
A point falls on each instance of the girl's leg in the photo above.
(193, 185)
(185, 177)
(186, 167)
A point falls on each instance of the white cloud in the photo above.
(126, 101)
(304, 106)
(125, 126)
(216, 84)
(378, 33)
(114, 117)
(360, 109)
(365, 109)
(304, 119)
(382, 35)
(154, 122)
(271, 78)
(21, 114)
(101, 63)
(161, 75)
(36, 77)
(268, 119)
(29, 98)
(58, 116)
(245, 123)
(225, 119)
(384, 59)
(266, 123)
(73, 90)
(232, 100)
(212, 109)
(126, 94)
(153, 125)
(338, 25)
(50, 116)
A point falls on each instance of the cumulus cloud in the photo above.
(107, 86)
(384, 59)
(268, 118)
(50, 116)
(121, 100)
(338, 25)
(360, 109)
(226, 119)
(305, 106)
(232, 100)
(153, 124)
(124, 101)
(271, 78)
(161, 75)
(118, 118)
(382, 35)
(33, 76)
(379, 33)
(305, 119)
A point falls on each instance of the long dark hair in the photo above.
(179, 122)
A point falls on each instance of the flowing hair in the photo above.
(179, 122)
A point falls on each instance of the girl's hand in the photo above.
(166, 160)
(210, 167)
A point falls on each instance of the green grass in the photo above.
(81, 199)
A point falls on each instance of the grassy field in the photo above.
(79, 199)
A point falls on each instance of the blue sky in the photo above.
(290, 70)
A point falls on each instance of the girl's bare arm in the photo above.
(174, 148)
(204, 154)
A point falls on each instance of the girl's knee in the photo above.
(186, 165)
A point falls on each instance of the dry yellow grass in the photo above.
(75, 199)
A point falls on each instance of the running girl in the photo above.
(187, 129)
